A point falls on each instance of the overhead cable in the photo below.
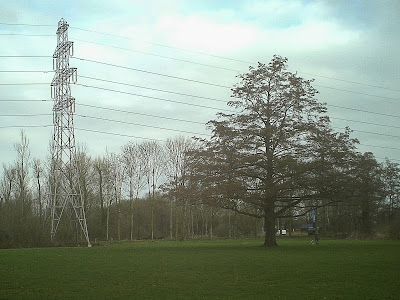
(161, 56)
(196, 52)
(153, 89)
(151, 97)
(137, 124)
(141, 114)
(149, 72)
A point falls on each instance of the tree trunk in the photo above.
(184, 222)
(255, 227)
(235, 225)
(176, 222)
(325, 220)
(40, 199)
(192, 222)
(170, 219)
(229, 225)
(107, 222)
(206, 222)
(152, 210)
(131, 202)
(119, 222)
(118, 202)
(211, 224)
(101, 202)
(131, 231)
(269, 225)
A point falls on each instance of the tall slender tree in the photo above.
(153, 155)
(368, 190)
(176, 151)
(38, 173)
(22, 172)
(134, 168)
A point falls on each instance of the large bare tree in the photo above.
(256, 155)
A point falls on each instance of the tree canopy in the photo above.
(269, 157)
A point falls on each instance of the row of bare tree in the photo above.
(137, 193)
(147, 192)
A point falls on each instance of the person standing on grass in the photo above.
(316, 235)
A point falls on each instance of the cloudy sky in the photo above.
(157, 69)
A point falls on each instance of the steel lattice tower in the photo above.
(66, 189)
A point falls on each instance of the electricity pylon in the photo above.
(66, 189)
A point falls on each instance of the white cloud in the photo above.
(316, 37)
(205, 34)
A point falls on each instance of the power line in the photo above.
(119, 134)
(174, 130)
(26, 83)
(365, 111)
(209, 83)
(218, 100)
(181, 78)
(26, 126)
(234, 70)
(165, 75)
(23, 34)
(232, 59)
(162, 45)
(369, 132)
(25, 100)
(157, 55)
(25, 24)
(109, 109)
(151, 97)
(362, 122)
(383, 147)
(152, 73)
(191, 51)
(354, 92)
(353, 82)
(132, 136)
(195, 96)
(153, 89)
(137, 124)
(25, 56)
(24, 115)
(203, 123)
(191, 121)
(24, 71)
(141, 114)
(116, 121)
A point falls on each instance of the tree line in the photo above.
(268, 165)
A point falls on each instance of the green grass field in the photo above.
(205, 269)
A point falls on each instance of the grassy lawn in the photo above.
(205, 269)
